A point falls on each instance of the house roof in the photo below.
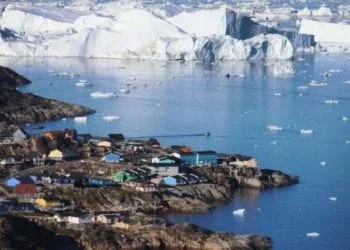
(22, 131)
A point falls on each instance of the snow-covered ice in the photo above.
(239, 212)
(80, 119)
(114, 31)
(306, 131)
(331, 101)
(103, 95)
(313, 235)
(110, 118)
(274, 128)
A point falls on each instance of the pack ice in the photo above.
(44, 30)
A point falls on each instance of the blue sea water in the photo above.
(184, 98)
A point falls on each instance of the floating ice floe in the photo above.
(277, 94)
(306, 131)
(125, 91)
(313, 235)
(331, 101)
(303, 87)
(83, 84)
(64, 119)
(273, 128)
(335, 71)
(81, 119)
(110, 118)
(66, 74)
(347, 142)
(103, 95)
(239, 212)
(317, 84)
(332, 198)
(345, 119)
(347, 82)
(323, 163)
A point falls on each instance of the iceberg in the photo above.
(81, 119)
(331, 101)
(332, 198)
(326, 32)
(313, 235)
(137, 33)
(306, 131)
(111, 118)
(103, 95)
(239, 212)
(274, 128)
(323, 163)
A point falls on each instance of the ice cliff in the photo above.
(136, 33)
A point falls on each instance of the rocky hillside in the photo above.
(18, 108)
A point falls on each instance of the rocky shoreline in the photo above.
(18, 108)
(148, 227)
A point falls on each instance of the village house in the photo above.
(125, 175)
(112, 157)
(14, 181)
(49, 202)
(104, 144)
(20, 134)
(80, 219)
(174, 180)
(181, 149)
(108, 218)
(164, 159)
(116, 138)
(99, 182)
(154, 143)
(239, 160)
(25, 193)
(200, 158)
(54, 135)
(163, 169)
(142, 186)
(58, 155)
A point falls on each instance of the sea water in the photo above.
(172, 98)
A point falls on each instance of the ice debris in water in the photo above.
(331, 101)
(80, 119)
(274, 128)
(332, 198)
(306, 131)
(303, 87)
(314, 83)
(313, 235)
(323, 163)
(344, 118)
(103, 95)
(110, 118)
(239, 212)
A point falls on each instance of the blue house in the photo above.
(12, 182)
(200, 158)
(98, 182)
(112, 158)
(174, 180)
(170, 180)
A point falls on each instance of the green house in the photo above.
(122, 176)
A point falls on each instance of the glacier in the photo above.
(122, 32)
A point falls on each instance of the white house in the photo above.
(164, 170)
(81, 219)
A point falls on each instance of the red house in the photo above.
(25, 192)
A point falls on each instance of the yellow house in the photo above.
(56, 155)
(104, 144)
(47, 202)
